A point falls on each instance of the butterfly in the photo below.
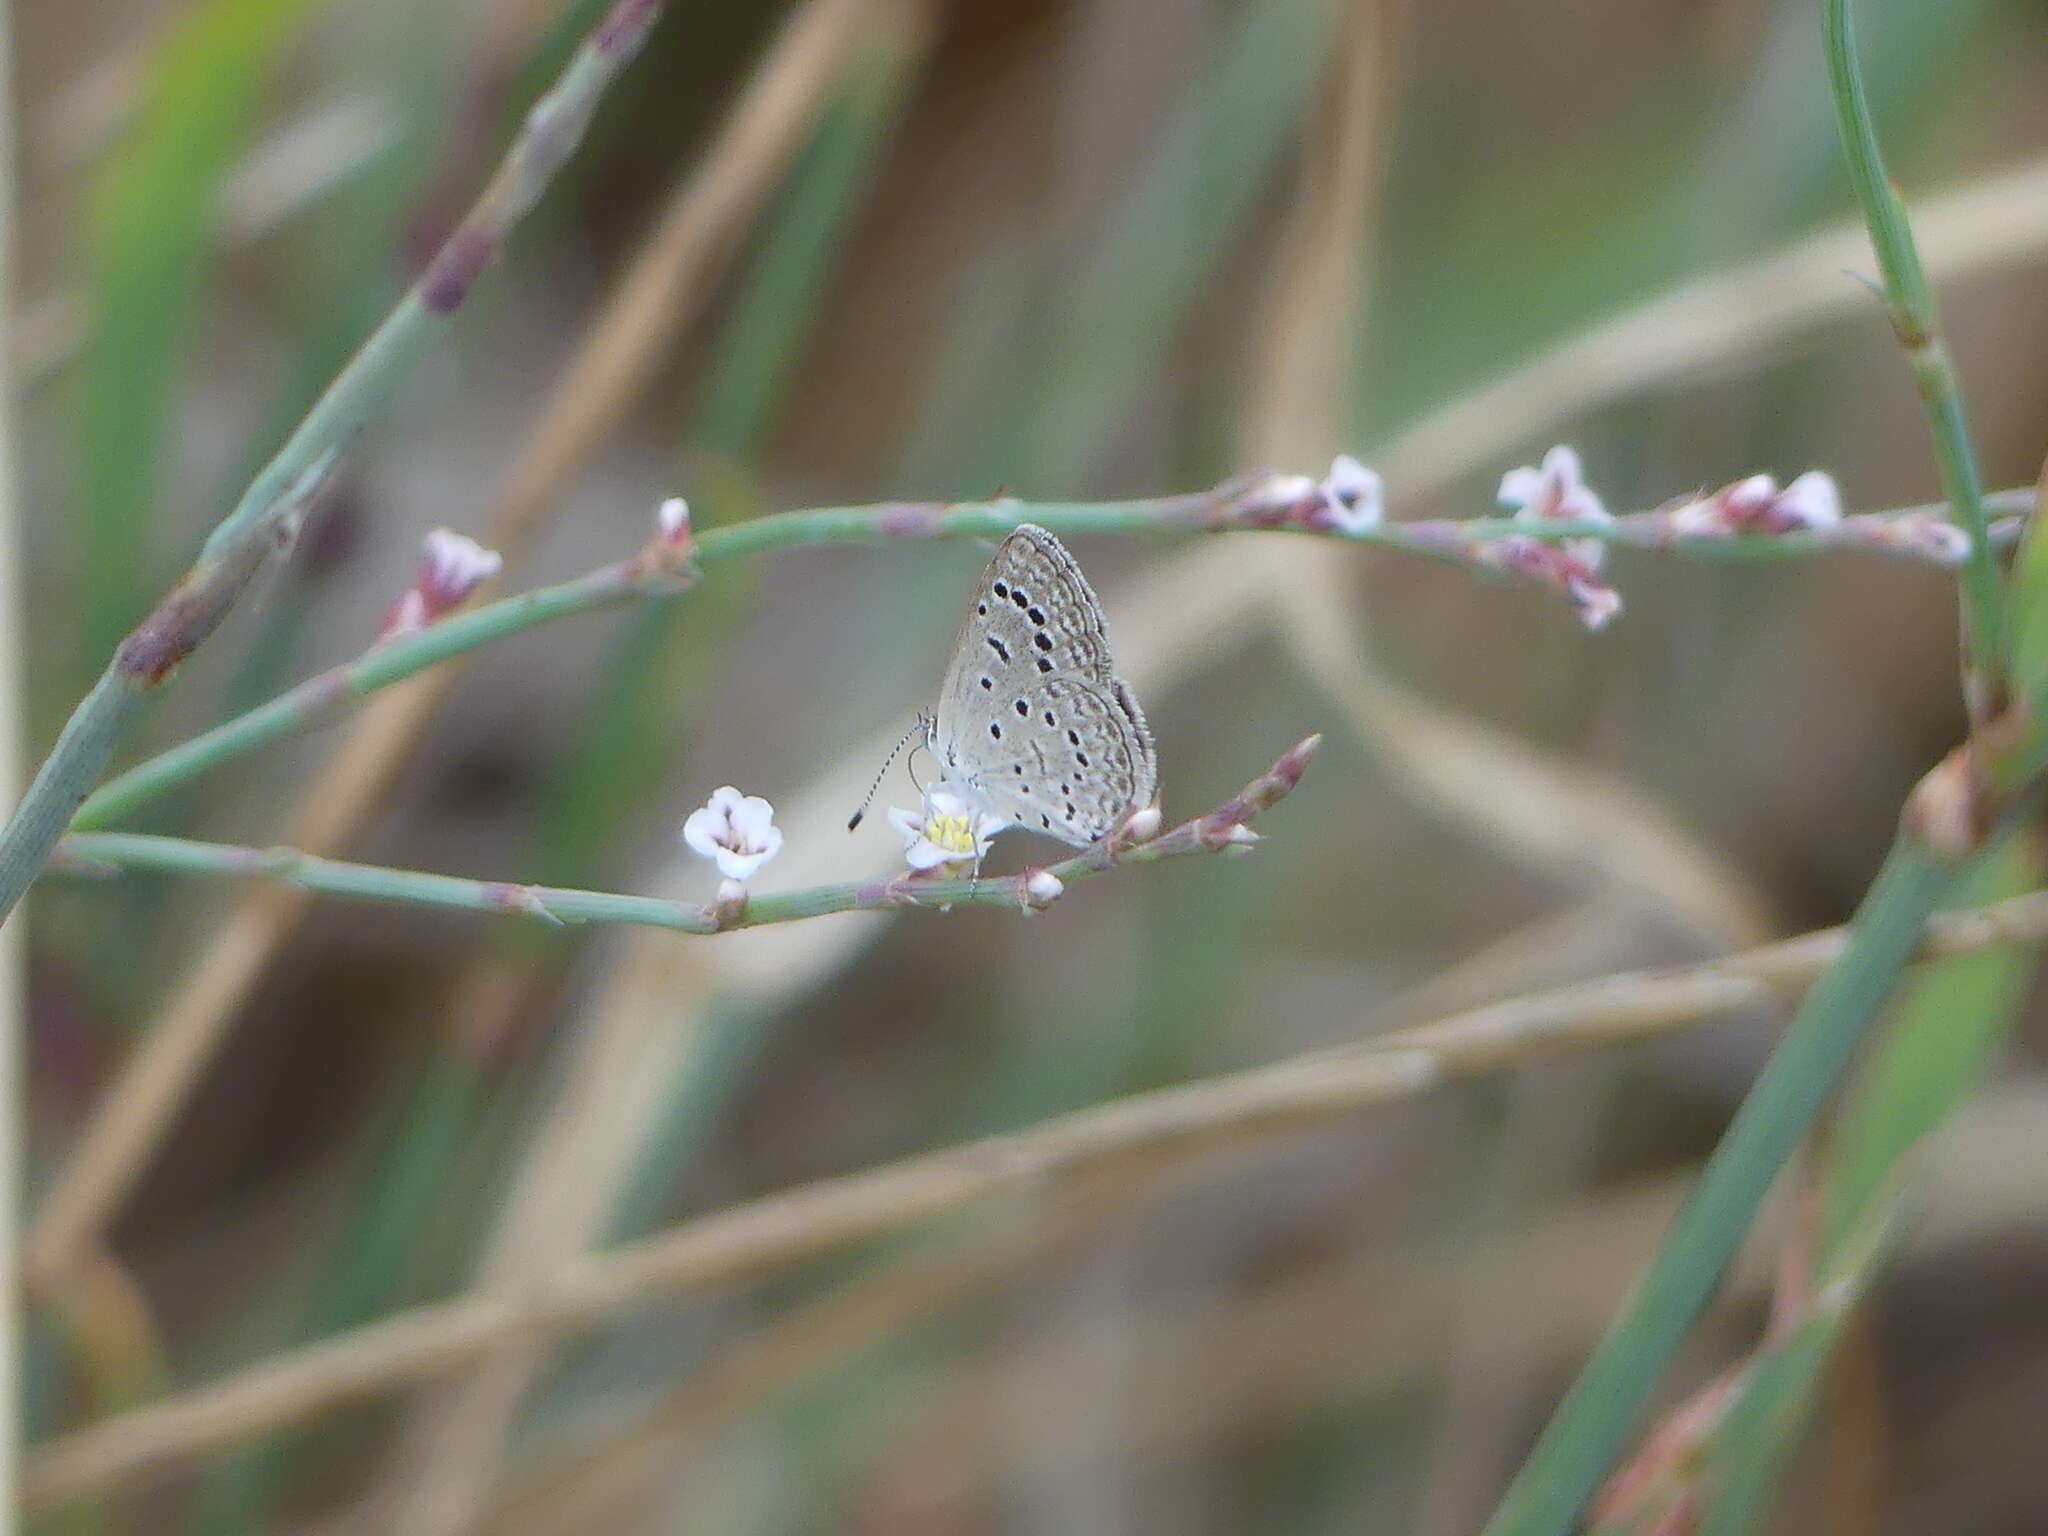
(1033, 726)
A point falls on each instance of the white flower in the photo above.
(1811, 501)
(735, 830)
(455, 566)
(1351, 496)
(1557, 493)
(950, 828)
(673, 519)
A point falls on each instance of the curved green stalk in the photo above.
(268, 511)
(1910, 305)
(1592, 1425)
(1221, 829)
(332, 693)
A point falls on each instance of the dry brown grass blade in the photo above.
(1715, 323)
(780, 1230)
(644, 1016)
(648, 1020)
(1371, 1326)
(571, 1485)
(1569, 818)
(672, 274)
(1524, 802)
(1299, 407)
(13, 754)
(580, 1483)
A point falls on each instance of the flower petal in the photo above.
(1811, 501)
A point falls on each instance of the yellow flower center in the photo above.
(953, 834)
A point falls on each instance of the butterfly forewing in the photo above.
(1031, 719)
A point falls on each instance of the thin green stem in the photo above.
(1910, 304)
(1219, 830)
(330, 694)
(1592, 1424)
(269, 510)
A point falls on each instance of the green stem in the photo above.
(268, 511)
(1212, 833)
(1591, 1426)
(332, 693)
(1910, 304)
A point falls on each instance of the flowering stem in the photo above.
(1223, 828)
(1910, 305)
(328, 695)
(266, 516)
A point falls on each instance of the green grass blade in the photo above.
(1937, 1048)
(149, 234)
(1593, 1423)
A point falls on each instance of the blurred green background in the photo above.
(1103, 247)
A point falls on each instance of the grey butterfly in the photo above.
(1032, 724)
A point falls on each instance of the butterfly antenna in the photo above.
(920, 724)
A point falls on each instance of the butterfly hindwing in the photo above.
(1031, 719)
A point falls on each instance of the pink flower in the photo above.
(1557, 493)
(1757, 506)
(1592, 599)
(455, 566)
(735, 831)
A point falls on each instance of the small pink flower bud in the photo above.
(673, 519)
(455, 566)
(1593, 600)
(1143, 826)
(1281, 492)
(1928, 535)
(1757, 506)
(1240, 834)
(1557, 493)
